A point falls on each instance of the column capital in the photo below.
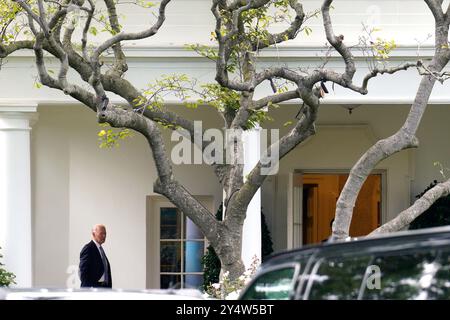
(17, 116)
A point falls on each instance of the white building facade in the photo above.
(55, 181)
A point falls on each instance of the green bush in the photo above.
(211, 263)
(266, 239)
(438, 214)
(6, 278)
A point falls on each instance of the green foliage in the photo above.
(266, 239)
(212, 54)
(109, 138)
(256, 25)
(438, 214)
(103, 19)
(145, 4)
(442, 169)
(230, 289)
(382, 48)
(225, 100)
(204, 51)
(307, 30)
(9, 28)
(228, 101)
(211, 262)
(6, 278)
(93, 30)
(179, 85)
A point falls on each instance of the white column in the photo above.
(15, 190)
(251, 241)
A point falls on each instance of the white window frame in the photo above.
(153, 237)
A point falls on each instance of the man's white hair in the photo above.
(97, 226)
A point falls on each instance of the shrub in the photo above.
(438, 214)
(266, 239)
(6, 278)
(227, 289)
(211, 262)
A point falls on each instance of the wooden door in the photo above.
(320, 194)
(367, 212)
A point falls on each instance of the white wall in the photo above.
(433, 134)
(191, 21)
(77, 184)
(405, 21)
(338, 145)
(50, 193)
(64, 138)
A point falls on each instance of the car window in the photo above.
(402, 276)
(337, 278)
(440, 284)
(276, 284)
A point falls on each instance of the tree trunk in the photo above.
(228, 246)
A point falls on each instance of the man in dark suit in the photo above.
(95, 270)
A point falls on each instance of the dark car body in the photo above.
(402, 265)
(98, 294)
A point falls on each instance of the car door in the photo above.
(406, 274)
(277, 281)
(335, 277)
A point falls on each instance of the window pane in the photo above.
(192, 231)
(339, 278)
(440, 286)
(194, 281)
(170, 256)
(170, 223)
(276, 284)
(172, 281)
(406, 276)
(193, 256)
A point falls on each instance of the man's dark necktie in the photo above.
(105, 264)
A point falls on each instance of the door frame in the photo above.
(154, 204)
(295, 201)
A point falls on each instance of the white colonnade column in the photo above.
(251, 240)
(15, 190)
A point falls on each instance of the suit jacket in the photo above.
(91, 266)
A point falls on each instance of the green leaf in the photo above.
(93, 31)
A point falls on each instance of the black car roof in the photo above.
(386, 242)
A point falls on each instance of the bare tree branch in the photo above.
(6, 50)
(302, 130)
(86, 30)
(133, 36)
(276, 98)
(436, 9)
(120, 64)
(289, 33)
(337, 43)
(402, 139)
(165, 184)
(404, 218)
(377, 71)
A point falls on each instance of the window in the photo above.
(182, 246)
(337, 278)
(277, 284)
(440, 285)
(407, 275)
